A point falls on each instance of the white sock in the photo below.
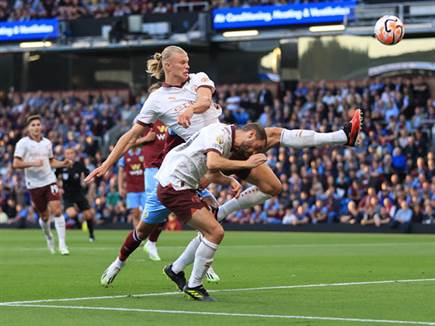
(188, 255)
(59, 223)
(119, 263)
(203, 259)
(150, 244)
(45, 226)
(298, 138)
(248, 198)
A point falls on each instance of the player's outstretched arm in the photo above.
(217, 162)
(123, 144)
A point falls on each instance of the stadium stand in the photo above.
(73, 9)
(366, 185)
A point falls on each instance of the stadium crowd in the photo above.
(19, 10)
(388, 179)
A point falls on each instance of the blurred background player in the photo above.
(34, 154)
(74, 192)
(131, 182)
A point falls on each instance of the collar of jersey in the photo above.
(233, 136)
(177, 86)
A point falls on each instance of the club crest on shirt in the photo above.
(220, 140)
(162, 129)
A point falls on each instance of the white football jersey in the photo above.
(186, 164)
(30, 150)
(167, 103)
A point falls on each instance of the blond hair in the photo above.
(155, 64)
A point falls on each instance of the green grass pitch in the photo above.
(267, 279)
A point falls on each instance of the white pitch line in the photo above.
(299, 286)
(231, 314)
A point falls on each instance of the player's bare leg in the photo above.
(266, 185)
(135, 216)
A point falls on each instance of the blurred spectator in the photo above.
(403, 217)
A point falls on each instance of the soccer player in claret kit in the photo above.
(74, 193)
(34, 154)
(131, 181)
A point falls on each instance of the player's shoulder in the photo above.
(217, 128)
(25, 141)
(46, 141)
(199, 77)
(154, 96)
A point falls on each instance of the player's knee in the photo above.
(143, 230)
(44, 216)
(56, 210)
(271, 188)
(218, 233)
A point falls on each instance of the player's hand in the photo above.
(255, 160)
(67, 163)
(236, 187)
(184, 118)
(37, 163)
(98, 172)
(122, 192)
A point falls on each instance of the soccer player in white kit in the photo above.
(181, 175)
(34, 154)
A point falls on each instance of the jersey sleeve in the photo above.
(121, 163)
(202, 80)
(149, 112)
(50, 149)
(214, 140)
(20, 149)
